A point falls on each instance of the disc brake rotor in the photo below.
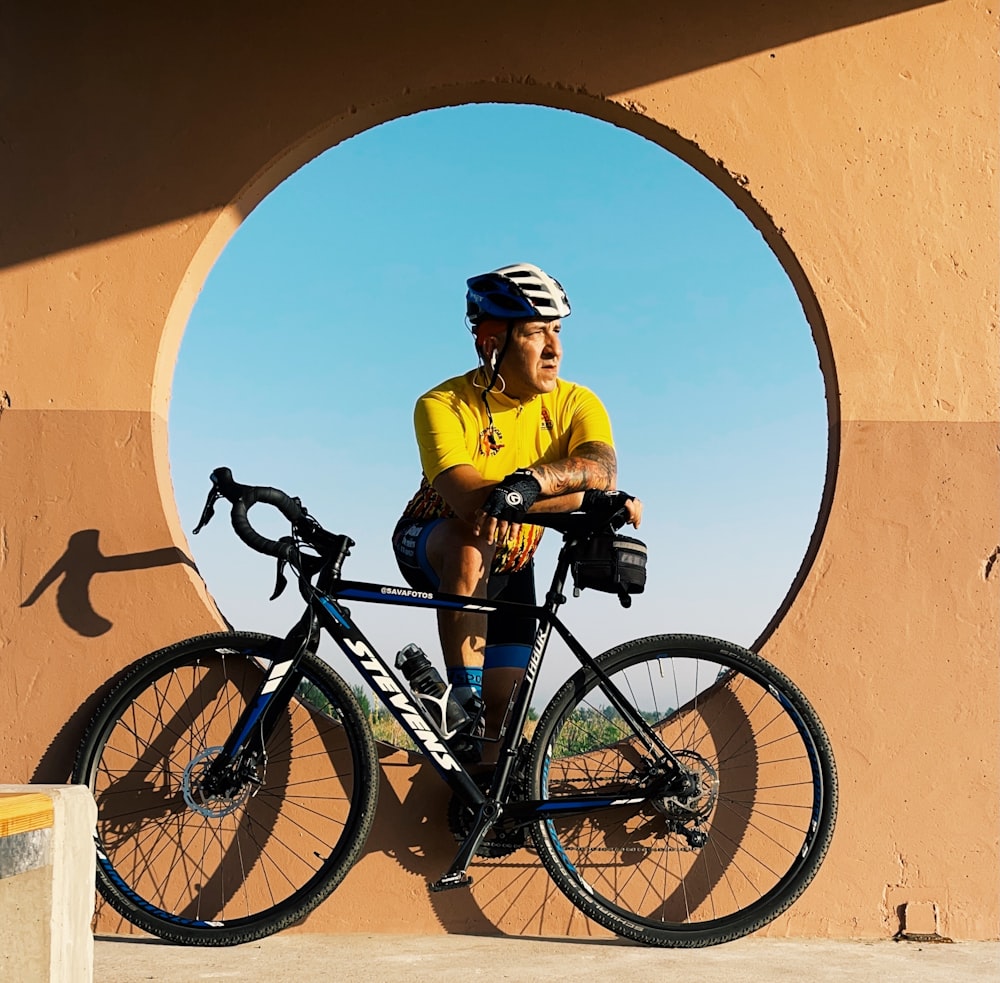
(211, 806)
(698, 803)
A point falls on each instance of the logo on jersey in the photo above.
(490, 441)
(546, 420)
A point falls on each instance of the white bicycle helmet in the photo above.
(512, 293)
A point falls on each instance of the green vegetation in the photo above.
(388, 731)
(311, 694)
(362, 697)
(588, 729)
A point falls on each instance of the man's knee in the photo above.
(459, 557)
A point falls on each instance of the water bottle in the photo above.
(432, 691)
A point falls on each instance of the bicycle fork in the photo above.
(240, 763)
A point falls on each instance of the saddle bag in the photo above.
(611, 563)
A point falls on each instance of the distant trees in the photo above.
(587, 729)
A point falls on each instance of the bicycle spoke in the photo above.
(185, 865)
(711, 859)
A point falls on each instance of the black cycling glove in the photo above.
(512, 498)
(609, 503)
(596, 498)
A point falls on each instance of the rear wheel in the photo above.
(709, 858)
(232, 867)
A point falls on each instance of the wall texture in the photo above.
(861, 140)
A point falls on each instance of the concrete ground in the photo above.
(459, 958)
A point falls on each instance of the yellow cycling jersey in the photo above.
(453, 428)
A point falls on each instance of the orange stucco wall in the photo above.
(861, 139)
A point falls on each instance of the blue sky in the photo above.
(341, 298)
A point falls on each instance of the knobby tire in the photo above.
(766, 800)
(234, 869)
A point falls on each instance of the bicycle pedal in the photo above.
(451, 881)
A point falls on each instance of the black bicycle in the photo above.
(679, 789)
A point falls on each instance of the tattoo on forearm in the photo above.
(594, 465)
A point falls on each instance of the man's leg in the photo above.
(461, 561)
(499, 682)
(509, 641)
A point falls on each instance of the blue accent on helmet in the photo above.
(514, 293)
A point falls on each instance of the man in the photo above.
(498, 443)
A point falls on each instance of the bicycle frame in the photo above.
(217, 845)
(327, 610)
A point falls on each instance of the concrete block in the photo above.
(47, 868)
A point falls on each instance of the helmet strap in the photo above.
(494, 373)
(495, 367)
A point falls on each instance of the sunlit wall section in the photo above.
(860, 140)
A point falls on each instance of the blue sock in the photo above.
(467, 681)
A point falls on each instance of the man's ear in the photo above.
(490, 336)
(487, 348)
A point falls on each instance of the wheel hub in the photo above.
(698, 799)
(211, 803)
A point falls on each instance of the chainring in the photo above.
(499, 841)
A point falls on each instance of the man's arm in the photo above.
(559, 487)
(464, 489)
(593, 465)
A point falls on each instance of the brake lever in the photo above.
(209, 510)
(280, 581)
(309, 566)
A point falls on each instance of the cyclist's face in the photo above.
(531, 365)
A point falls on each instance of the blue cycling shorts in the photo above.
(509, 634)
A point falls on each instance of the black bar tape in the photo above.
(245, 496)
(599, 510)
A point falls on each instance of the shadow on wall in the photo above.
(512, 893)
(62, 132)
(81, 562)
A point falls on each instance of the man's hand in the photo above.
(512, 498)
(633, 509)
(613, 502)
(506, 506)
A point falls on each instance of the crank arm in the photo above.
(455, 875)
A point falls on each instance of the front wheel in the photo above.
(700, 854)
(239, 865)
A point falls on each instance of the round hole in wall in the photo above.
(341, 298)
